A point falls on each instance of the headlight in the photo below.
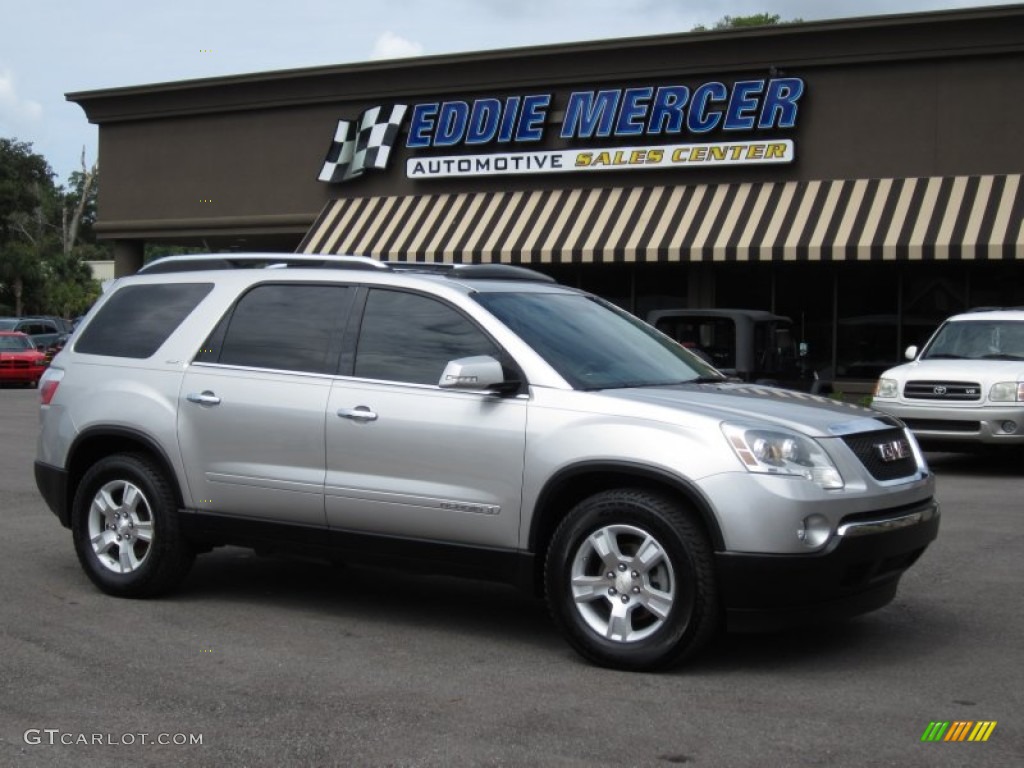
(886, 388)
(775, 451)
(1007, 392)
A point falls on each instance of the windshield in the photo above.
(15, 343)
(977, 340)
(593, 344)
(8, 324)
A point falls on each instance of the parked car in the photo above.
(965, 388)
(476, 420)
(20, 361)
(46, 334)
(62, 323)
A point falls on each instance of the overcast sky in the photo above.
(51, 47)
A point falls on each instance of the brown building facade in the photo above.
(860, 176)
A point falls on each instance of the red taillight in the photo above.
(48, 385)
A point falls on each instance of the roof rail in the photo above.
(205, 262)
(472, 271)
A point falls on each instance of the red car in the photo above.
(20, 360)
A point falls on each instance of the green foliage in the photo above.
(159, 250)
(37, 273)
(755, 20)
(24, 179)
(69, 288)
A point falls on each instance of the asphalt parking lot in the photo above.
(284, 662)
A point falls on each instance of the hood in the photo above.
(983, 371)
(18, 354)
(748, 403)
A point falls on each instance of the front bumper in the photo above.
(857, 573)
(939, 425)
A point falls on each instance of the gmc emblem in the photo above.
(894, 451)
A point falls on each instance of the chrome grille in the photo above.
(877, 451)
(942, 390)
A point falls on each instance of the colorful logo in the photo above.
(958, 730)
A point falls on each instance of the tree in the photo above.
(19, 266)
(69, 288)
(23, 177)
(26, 186)
(755, 20)
(45, 234)
(79, 210)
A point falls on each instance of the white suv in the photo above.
(966, 387)
(478, 420)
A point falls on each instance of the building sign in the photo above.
(361, 144)
(603, 159)
(664, 126)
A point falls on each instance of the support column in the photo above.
(128, 257)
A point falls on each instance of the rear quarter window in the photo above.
(137, 319)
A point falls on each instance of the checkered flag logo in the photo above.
(364, 143)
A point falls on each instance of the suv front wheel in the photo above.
(630, 581)
(125, 529)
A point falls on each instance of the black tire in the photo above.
(670, 603)
(125, 498)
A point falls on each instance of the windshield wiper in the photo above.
(643, 384)
(696, 380)
(944, 356)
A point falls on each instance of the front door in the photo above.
(407, 457)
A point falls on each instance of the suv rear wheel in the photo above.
(630, 581)
(125, 528)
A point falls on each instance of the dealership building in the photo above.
(861, 176)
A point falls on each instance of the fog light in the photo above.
(1009, 427)
(814, 531)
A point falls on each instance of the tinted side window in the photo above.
(137, 319)
(291, 327)
(410, 338)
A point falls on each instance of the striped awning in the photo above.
(943, 218)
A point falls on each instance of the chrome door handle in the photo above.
(203, 398)
(359, 413)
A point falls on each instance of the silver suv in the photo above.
(966, 387)
(475, 420)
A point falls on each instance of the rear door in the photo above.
(407, 458)
(252, 405)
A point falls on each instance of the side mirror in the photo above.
(911, 352)
(476, 374)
